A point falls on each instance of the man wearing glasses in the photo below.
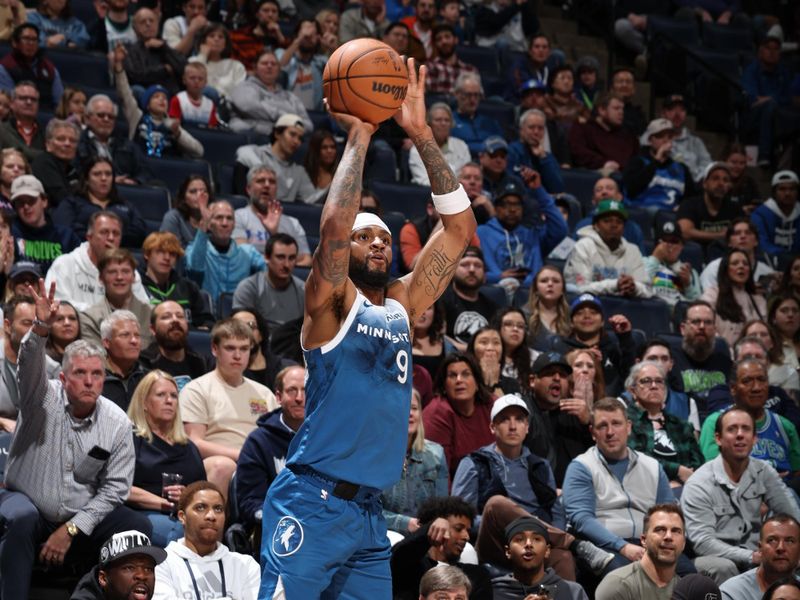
(21, 130)
(25, 64)
(468, 125)
(98, 139)
(698, 362)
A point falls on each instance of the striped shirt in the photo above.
(49, 457)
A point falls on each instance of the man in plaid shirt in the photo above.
(444, 69)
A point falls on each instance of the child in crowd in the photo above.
(150, 127)
(191, 106)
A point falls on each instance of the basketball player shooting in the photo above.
(323, 532)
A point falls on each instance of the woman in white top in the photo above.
(734, 298)
(215, 47)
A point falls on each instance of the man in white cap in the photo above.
(356, 337)
(507, 480)
(653, 179)
(294, 184)
(778, 219)
(126, 569)
(37, 238)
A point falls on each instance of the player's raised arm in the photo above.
(326, 286)
(438, 259)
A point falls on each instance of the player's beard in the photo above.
(363, 277)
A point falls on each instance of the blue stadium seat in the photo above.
(580, 183)
(722, 61)
(308, 215)
(496, 294)
(236, 200)
(320, 119)
(381, 164)
(173, 171)
(224, 178)
(503, 113)
(151, 202)
(85, 11)
(395, 221)
(648, 314)
(200, 342)
(81, 67)
(642, 218)
(225, 305)
(220, 146)
(405, 198)
(313, 242)
(485, 59)
(692, 253)
(302, 272)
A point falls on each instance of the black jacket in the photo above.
(88, 588)
(148, 66)
(127, 157)
(185, 292)
(410, 561)
(256, 469)
(59, 178)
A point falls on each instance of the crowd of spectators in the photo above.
(559, 445)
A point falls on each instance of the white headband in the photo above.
(365, 219)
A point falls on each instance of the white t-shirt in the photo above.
(250, 228)
(229, 413)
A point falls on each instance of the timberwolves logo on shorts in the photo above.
(288, 537)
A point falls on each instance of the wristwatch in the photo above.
(72, 529)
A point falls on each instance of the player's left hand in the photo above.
(411, 116)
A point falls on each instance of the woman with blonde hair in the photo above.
(424, 475)
(162, 447)
(548, 311)
(587, 381)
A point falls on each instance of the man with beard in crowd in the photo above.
(706, 218)
(466, 308)
(169, 350)
(126, 570)
(653, 576)
(444, 69)
(699, 364)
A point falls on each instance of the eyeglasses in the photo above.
(103, 115)
(26, 200)
(698, 322)
(29, 38)
(514, 325)
(28, 99)
(650, 381)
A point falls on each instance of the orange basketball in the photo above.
(365, 78)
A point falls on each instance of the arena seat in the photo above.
(726, 37)
(406, 198)
(81, 67)
(173, 171)
(580, 183)
(200, 342)
(495, 293)
(485, 59)
(151, 202)
(308, 214)
(220, 145)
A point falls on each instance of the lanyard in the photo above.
(194, 581)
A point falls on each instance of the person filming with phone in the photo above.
(71, 463)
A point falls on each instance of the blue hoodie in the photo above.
(777, 233)
(263, 451)
(523, 246)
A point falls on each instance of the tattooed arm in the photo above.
(439, 257)
(329, 294)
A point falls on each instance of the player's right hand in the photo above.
(348, 122)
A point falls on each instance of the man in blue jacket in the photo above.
(529, 151)
(263, 454)
(513, 252)
(778, 219)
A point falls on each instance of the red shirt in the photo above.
(458, 435)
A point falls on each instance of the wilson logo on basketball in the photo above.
(398, 92)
